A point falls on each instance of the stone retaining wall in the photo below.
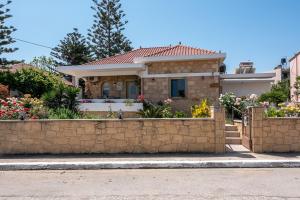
(113, 136)
(274, 134)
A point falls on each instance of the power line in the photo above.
(32, 43)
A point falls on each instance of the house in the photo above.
(183, 73)
(294, 73)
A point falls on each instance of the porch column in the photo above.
(75, 82)
(142, 86)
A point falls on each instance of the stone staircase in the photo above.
(232, 134)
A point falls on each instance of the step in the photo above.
(233, 140)
(230, 128)
(232, 134)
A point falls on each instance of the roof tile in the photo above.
(179, 50)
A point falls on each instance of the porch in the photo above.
(105, 88)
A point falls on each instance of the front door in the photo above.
(132, 90)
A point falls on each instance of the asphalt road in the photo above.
(183, 184)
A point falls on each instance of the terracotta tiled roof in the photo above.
(179, 50)
(16, 67)
(129, 56)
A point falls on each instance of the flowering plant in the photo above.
(11, 108)
(237, 105)
(168, 101)
(141, 98)
(26, 107)
(201, 111)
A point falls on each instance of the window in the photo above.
(105, 90)
(178, 88)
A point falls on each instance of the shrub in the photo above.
(24, 108)
(201, 111)
(62, 97)
(180, 114)
(228, 100)
(273, 112)
(159, 110)
(285, 110)
(63, 113)
(237, 105)
(32, 81)
(279, 93)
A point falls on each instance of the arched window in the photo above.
(105, 89)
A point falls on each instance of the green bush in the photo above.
(180, 114)
(228, 101)
(62, 97)
(160, 110)
(63, 113)
(273, 112)
(32, 81)
(279, 93)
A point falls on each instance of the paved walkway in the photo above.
(234, 152)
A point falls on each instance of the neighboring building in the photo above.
(247, 84)
(294, 73)
(185, 74)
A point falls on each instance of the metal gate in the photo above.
(246, 129)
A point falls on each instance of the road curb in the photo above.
(149, 165)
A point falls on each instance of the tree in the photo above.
(72, 50)
(5, 34)
(279, 93)
(45, 63)
(106, 35)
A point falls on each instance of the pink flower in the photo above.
(141, 98)
(168, 101)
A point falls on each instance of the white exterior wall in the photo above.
(246, 88)
(117, 105)
(294, 72)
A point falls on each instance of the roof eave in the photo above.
(292, 58)
(221, 56)
(78, 70)
(248, 76)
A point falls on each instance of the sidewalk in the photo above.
(236, 157)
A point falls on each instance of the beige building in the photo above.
(294, 73)
(185, 74)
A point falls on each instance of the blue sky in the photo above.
(263, 31)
